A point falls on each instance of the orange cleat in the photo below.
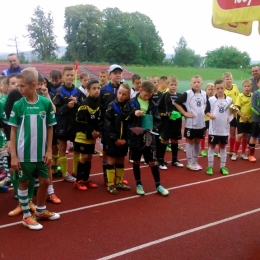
(18, 210)
(90, 184)
(80, 185)
(251, 158)
(53, 198)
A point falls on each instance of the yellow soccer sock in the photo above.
(110, 174)
(55, 158)
(75, 163)
(64, 165)
(119, 173)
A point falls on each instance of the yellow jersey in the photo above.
(233, 92)
(245, 104)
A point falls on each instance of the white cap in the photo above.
(114, 67)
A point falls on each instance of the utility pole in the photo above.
(14, 45)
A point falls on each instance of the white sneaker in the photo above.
(177, 163)
(234, 157)
(193, 167)
(243, 156)
(163, 166)
(199, 167)
(69, 178)
(142, 159)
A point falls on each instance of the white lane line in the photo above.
(137, 196)
(161, 240)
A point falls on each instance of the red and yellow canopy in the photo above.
(236, 15)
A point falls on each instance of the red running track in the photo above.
(204, 217)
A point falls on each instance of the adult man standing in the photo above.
(14, 65)
(255, 73)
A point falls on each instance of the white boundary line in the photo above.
(137, 196)
(158, 241)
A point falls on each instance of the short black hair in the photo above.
(91, 82)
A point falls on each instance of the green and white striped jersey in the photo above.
(32, 121)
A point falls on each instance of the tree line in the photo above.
(114, 36)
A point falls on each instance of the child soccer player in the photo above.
(31, 154)
(144, 109)
(84, 79)
(255, 128)
(115, 125)
(89, 129)
(244, 103)
(67, 101)
(103, 78)
(209, 89)
(195, 101)
(220, 115)
(108, 94)
(156, 93)
(171, 123)
(136, 81)
(163, 84)
(231, 90)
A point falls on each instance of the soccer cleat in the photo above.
(199, 167)
(125, 181)
(32, 206)
(243, 156)
(47, 215)
(140, 190)
(215, 154)
(112, 189)
(224, 170)
(90, 184)
(203, 153)
(162, 166)
(251, 158)
(209, 170)
(180, 148)
(162, 191)
(218, 155)
(234, 157)
(31, 223)
(122, 186)
(4, 188)
(18, 210)
(69, 178)
(177, 163)
(230, 153)
(80, 185)
(5, 182)
(192, 167)
(53, 198)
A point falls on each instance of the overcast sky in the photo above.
(172, 18)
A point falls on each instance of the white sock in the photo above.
(210, 156)
(196, 151)
(223, 157)
(50, 189)
(189, 148)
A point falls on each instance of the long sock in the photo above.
(87, 171)
(137, 173)
(80, 171)
(23, 200)
(36, 183)
(210, 156)
(244, 145)
(31, 188)
(50, 189)
(175, 150)
(202, 143)
(64, 165)
(236, 146)
(5, 165)
(104, 165)
(162, 149)
(156, 175)
(110, 174)
(231, 143)
(75, 162)
(55, 158)
(251, 149)
(223, 157)
(189, 148)
(196, 151)
(120, 168)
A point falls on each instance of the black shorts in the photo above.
(65, 138)
(173, 131)
(206, 125)
(148, 153)
(233, 122)
(194, 133)
(217, 139)
(116, 151)
(84, 148)
(255, 129)
(243, 127)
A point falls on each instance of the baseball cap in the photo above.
(114, 67)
